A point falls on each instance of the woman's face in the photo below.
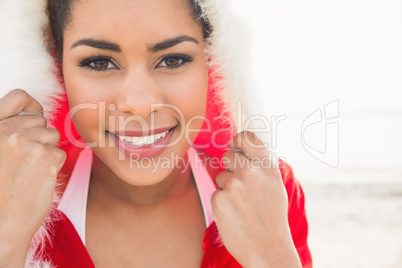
(135, 68)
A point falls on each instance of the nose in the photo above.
(138, 92)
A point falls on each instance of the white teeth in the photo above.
(143, 141)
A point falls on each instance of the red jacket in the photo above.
(67, 249)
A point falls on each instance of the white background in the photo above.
(308, 54)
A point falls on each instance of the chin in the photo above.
(143, 176)
(141, 171)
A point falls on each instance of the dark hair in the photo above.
(59, 12)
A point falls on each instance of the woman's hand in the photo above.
(29, 163)
(250, 208)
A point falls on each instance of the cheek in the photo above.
(83, 86)
(189, 97)
(189, 94)
(85, 102)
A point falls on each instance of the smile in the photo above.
(143, 141)
(135, 145)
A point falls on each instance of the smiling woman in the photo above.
(165, 65)
(151, 87)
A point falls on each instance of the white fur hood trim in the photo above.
(25, 63)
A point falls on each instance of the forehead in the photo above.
(131, 18)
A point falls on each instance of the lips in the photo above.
(136, 145)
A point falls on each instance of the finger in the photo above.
(20, 122)
(216, 203)
(59, 155)
(232, 160)
(48, 136)
(222, 179)
(249, 144)
(18, 101)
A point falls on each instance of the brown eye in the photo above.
(174, 61)
(171, 62)
(100, 64)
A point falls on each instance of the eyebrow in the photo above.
(171, 43)
(101, 44)
(97, 44)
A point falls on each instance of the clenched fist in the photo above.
(29, 163)
(250, 207)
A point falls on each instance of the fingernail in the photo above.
(236, 149)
